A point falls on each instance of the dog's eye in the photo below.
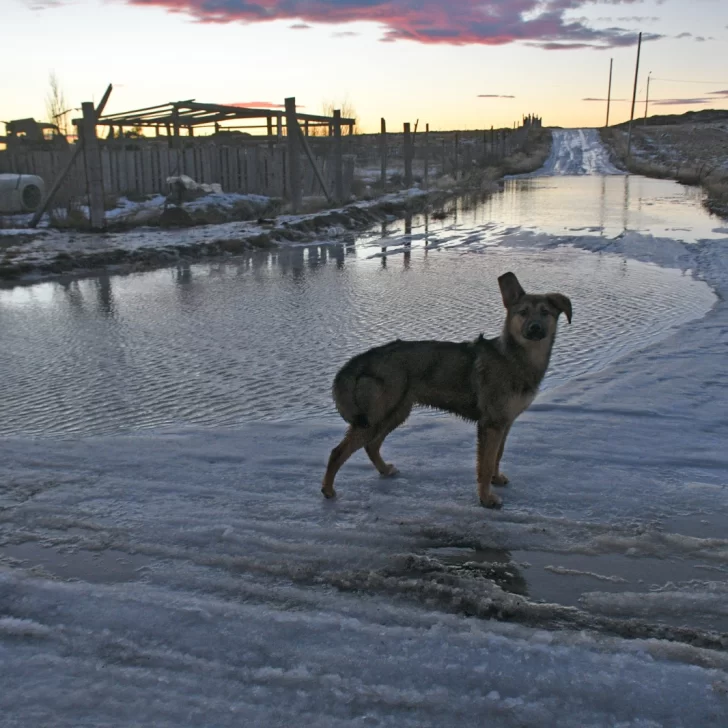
(545, 312)
(524, 312)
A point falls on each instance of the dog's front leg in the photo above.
(489, 442)
(500, 478)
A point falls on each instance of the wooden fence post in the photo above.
(457, 154)
(383, 153)
(67, 168)
(94, 175)
(338, 158)
(407, 156)
(294, 156)
(427, 154)
(175, 127)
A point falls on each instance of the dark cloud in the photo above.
(495, 96)
(455, 22)
(710, 98)
(682, 102)
(684, 35)
(344, 34)
(300, 26)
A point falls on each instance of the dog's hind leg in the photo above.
(355, 438)
(489, 442)
(372, 449)
(498, 477)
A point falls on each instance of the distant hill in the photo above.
(689, 117)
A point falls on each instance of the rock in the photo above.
(175, 217)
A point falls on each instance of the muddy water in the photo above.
(260, 337)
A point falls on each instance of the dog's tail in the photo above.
(344, 391)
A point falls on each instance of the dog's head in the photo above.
(531, 318)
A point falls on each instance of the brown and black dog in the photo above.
(487, 381)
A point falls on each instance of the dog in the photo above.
(486, 381)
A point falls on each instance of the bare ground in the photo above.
(692, 154)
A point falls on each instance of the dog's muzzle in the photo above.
(534, 331)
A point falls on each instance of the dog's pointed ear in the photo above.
(510, 289)
(561, 303)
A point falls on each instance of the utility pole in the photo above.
(609, 89)
(634, 98)
(647, 96)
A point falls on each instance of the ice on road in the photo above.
(577, 152)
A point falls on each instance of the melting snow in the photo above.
(243, 598)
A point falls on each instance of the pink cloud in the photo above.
(261, 105)
(455, 22)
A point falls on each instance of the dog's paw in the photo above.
(500, 479)
(390, 471)
(491, 501)
(328, 492)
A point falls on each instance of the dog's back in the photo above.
(440, 374)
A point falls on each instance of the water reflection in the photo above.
(260, 337)
(104, 296)
(599, 205)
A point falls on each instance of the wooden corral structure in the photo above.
(181, 118)
(290, 159)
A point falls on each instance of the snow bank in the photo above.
(32, 255)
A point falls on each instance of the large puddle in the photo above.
(594, 206)
(260, 337)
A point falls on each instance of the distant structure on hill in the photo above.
(531, 120)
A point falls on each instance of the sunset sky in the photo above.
(452, 63)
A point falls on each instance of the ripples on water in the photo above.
(261, 337)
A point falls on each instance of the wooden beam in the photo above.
(325, 119)
(220, 108)
(104, 100)
(407, 156)
(427, 154)
(338, 159)
(294, 158)
(94, 176)
(312, 160)
(383, 153)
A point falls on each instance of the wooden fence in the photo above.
(141, 167)
(451, 152)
